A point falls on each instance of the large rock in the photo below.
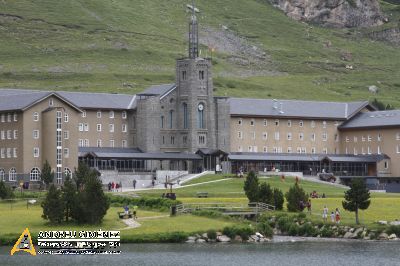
(200, 240)
(223, 238)
(395, 223)
(350, 235)
(383, 236)
(392, 236)
(333, 13)
(358, 231)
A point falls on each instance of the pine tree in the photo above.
(5, 191)
(53, 205)
(47, 175)
(251, 187)
(69, 194)
(294, 197)
(278, 199)
(265, 194)
(82, 174)
(357, 197)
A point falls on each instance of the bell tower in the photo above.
(195, 95)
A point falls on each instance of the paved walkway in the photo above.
(131, 223)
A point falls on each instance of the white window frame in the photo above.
(66, 134)
(66, 117)
(35, 116)
(124, 115)
(15, 134)
(289, 136)
(35, 134)
(98, 114)
(111, 128)
(124, 128)
(66, 152)
(111, 114)
(98, 127)
(15, 117)
(36, 152)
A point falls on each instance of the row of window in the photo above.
(84, 127)
(368, 150)
(111, 114)
(8, 134)
(9, 117)
(8, 153)
(99, 143)
(33, 176)
(289, 123)
(300, 150)
(364, 138)
(201, 75)
(289, 136)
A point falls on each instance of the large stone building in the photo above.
(182, 126)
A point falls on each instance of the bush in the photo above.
(309, 230)
(265, 193)
(5, 191)
(394, 229)
(293, 230)
(294, 197)
(301, 216)
(243, 231)
(161, 204)
(212, 234)
(265, 229)
(278, 199)
(326, 232)
(208, 213)
(251, 187)
(284, 223)
(53, 206)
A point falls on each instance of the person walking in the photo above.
(325, 214)
(337, 216)
(135, 208)
(332, 217)
(113, 186)
(309, 206)
(134, 184)
(109, 186)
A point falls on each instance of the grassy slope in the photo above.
(100, 45)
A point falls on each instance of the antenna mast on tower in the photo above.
(193, 35)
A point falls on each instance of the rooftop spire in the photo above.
(193, 34)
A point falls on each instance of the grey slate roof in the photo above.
(254, 156)
(159, 89)
(294, 108)
(390, 118)
(16, 99)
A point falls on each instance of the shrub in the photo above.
(161, 204)
(212, 234)
(251, 187)
(326, 232)
(265, 193)
(394, 229)
(53, 206)
(278, 199)
(294, 197)
(302, 216)
(284, 223)
(243, 231)
(293, 230)
(265, 229)
(309, 230)
(5, 191)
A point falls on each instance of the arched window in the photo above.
(2, 175)
(12, 174)
(171, 114)
(185, 116)
(200, 116)
(67, 172)
(35, 174)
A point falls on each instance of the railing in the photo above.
(253, 207)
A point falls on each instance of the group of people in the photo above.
(126, 210)
(335, 216)
(304, 205)
(315, 195)
(114, 186)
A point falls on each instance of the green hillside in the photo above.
(126, 45)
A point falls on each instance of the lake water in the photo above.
(283, 253)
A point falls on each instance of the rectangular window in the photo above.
(111, 143)
(301, 123)
(312, 136)
(289, 149)
(66, 117)
(363, 138)
(325, 150)
(66, 134)
(9, 117)
(250, 149)
(2, 153)
(35, 152)
(347, 139)
(124, 145)
(265, 149)
(240, 122)
(8, 134)
(301, 136)
(289, 123)
(111, 127)
(355, 139)
(15, 134)
(324, 136)
(8, 152)
(3, 118)
(379, 137)
(66, 152)
(312, 124)
(289, 136)
(3, 134)
(15, 152)
(277, 122)
(265, 122)
(98, 126)
(86, 127)
(124, 127)
(124, 115)
(298, 149)
(98, 143)
(184, 75)
(276, 136)
(252, 122)
(355, 152)
(369, 150)
(111, 114)
(84, 114)
(323, 124)
(303, 150)
(240, 135)
(265, 135)
(98, 114)
(386, 165)
(15, 117)
(80, 143)
(379, 150)
(35, 116)
(313, 150)
(36, 134)
(240, 149)
(86, 143)
(80, 126)
(253, 135)
(369, 138)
